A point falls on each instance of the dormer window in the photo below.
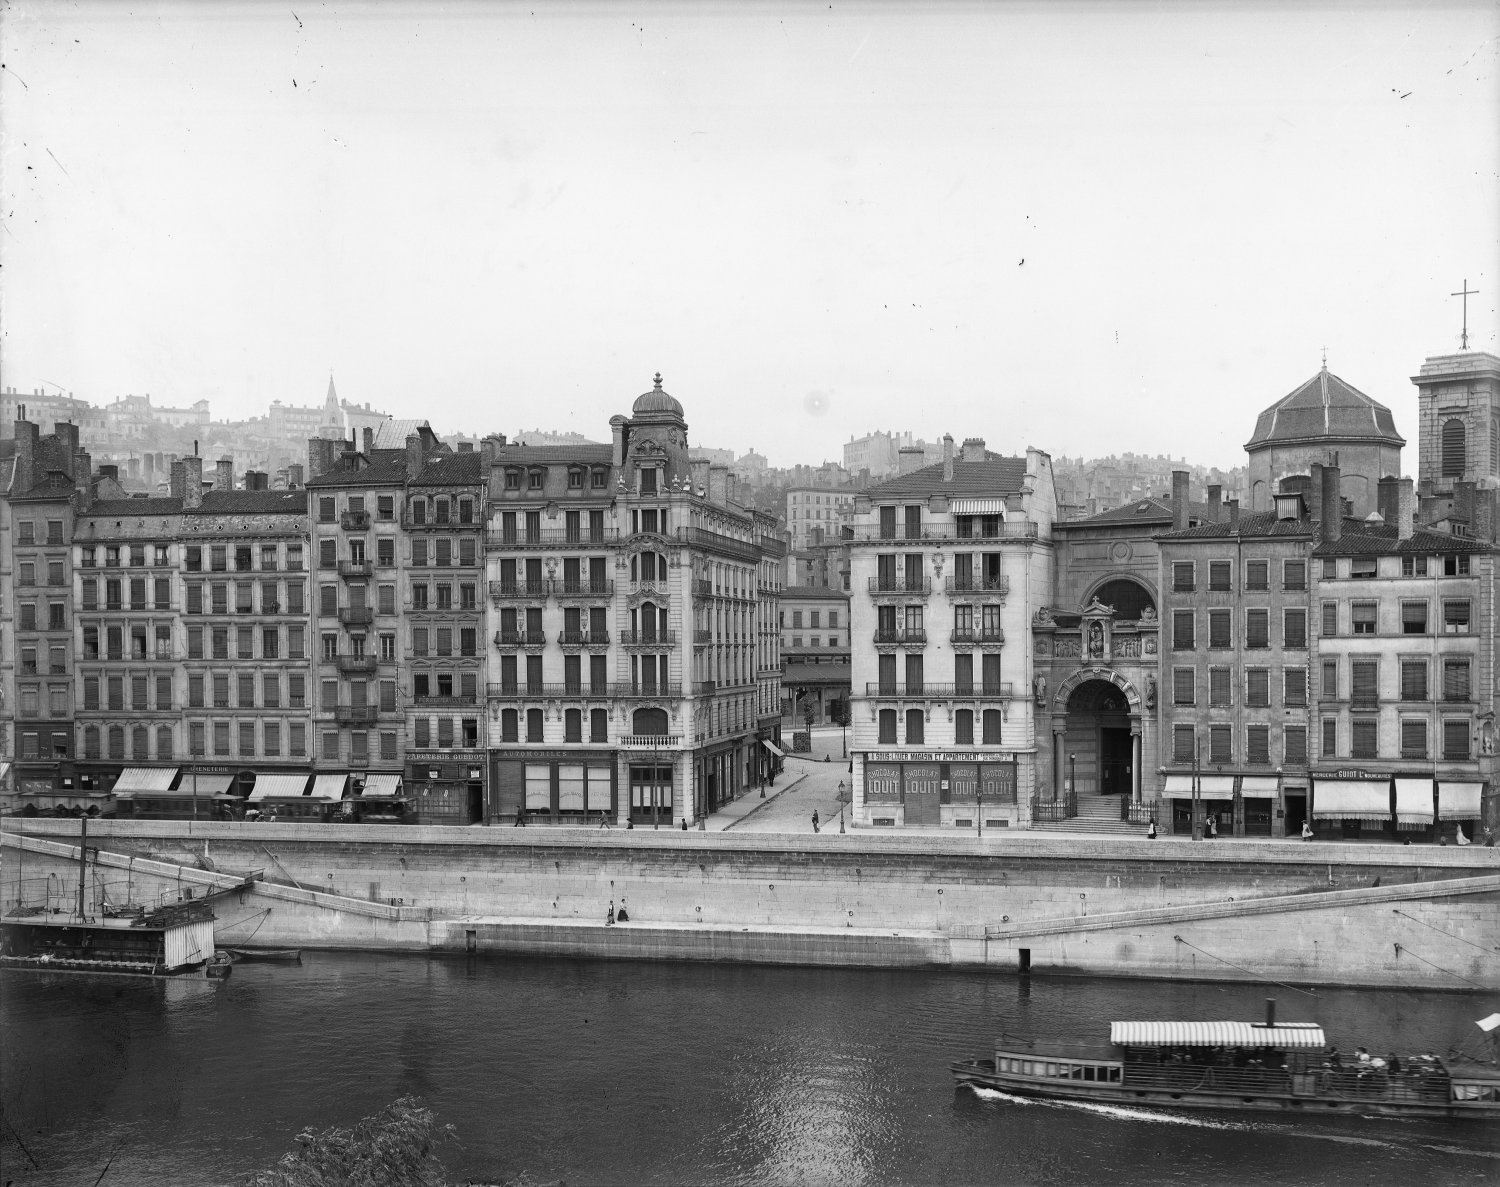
(575, 478)
(536, 478)
(600, 479)
(648, 482)
(419, 511)
(512, 480)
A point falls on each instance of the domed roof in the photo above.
(1325, 407)
(656, 400)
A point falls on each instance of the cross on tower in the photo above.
(1466, 292)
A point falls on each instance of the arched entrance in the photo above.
(1098, 739)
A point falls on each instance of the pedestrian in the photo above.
(1213, 828)
(684, 824)
(1459, 837)
(1307, 833)
(609, 919)
(1489, 837)
(815, 820)
(622, 916)
(1151, 831)
(629, 824)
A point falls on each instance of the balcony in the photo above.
(535, 590)
(355, 664)
(435, 701)
(527, 639)
(551, 538)
(702, 637)
(349, 569)
(356, 615)
(356, 714)
(972, 586)
(355, 521)
(584, 590)
(655, 591)
(653, 638)
(705, 688)
(702, 588)
(650, 741)
(591, 692)
(972, 637)
(996, 691)
(898, 587)
(572, 640)
(908, 638)
(874, 534)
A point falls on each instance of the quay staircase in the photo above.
(1095, 814)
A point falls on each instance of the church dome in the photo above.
(657, 401)
(1325, 407)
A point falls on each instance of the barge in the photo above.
(175, 941)
(1265, 1066)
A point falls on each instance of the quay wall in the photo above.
(832, 899)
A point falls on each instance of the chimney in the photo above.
(369, 438)
(1333, 506)
(294, 475)
(1215, 502)
(1233, 506)
(416, 454)
(1405, 509)
(947, 457)
(718, 484)
(617, 425)
(973, 450)
(1388, 499)
(465, 447)
(489, 449)
(699, 468)
(908, 458)
(112, 472)
(178, 480)
(1179, 500)
(1463, 503)
(1315, 493)
(28, 435)
(224, 474)
(192, 481)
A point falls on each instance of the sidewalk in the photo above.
(748, 804)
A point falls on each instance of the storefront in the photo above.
(1353, 807)
(447, 786)
(1215, 798)
(381, 800)
(282, 795)
(1458, 807)
(929, 789)
(197, 795)
(1259, 805)
(554, 786)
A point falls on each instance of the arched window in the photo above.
(139, 738)
(91, 741)
(888, 727)
(651, 722)
(1129, 598)
(573, 725)
(1455, 448)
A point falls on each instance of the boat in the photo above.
(1266, 1066)
(175, 942)
(278, 955)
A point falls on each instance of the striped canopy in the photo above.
(1215, 1034)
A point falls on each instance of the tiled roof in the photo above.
(1261, 524)
(1325, 406)
(389, 470)
(452, 469)
(996, 475)
(589, 454)
(1365, 539)
(252, 502)
(156, 505)
(815, 592)
(1147, 510)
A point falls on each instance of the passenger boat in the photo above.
(1286, 1067)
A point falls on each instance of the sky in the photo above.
(1090, 228)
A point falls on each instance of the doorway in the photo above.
(1114, 761)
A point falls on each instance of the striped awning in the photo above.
(1218, 786)
(1459, 801)
(279, 785)
(773, 748)
(1215, 1034)
(1351, 799)
(1413, 801)
(977, 506)
(382, 785)
(145, 779)
(4, 770)
(329, 787)
(1259, 787)
(192, 787)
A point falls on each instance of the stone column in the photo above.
(1135, 760)
(1059, 759)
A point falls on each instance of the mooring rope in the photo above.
(1436, 928)
(1400, 948)
(1243, 969)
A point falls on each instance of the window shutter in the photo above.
(1218, 686)
(1294, 629)
(1414, 680)
(1455, 680)
(1182, 686)
(1219, 628)
(1364, 681)
(1257, 629)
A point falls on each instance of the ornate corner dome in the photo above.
(1325, 408)
(656, 401)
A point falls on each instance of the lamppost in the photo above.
(1197, 788)
(842, 792)
(1072, 777)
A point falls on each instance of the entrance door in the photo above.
(923, 808)
(1114, 762)
(1296, 813)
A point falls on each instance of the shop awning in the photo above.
(1215, 1034)
(1459, 801)
(1351, 799)
(1221, 786)
(4, 770)
(1259, 787)
(1178, 785)
(977, 506)
(145, 779)
(279, 785)
(329, 787)
(1413, 801)
(379, 786)
(773, 748)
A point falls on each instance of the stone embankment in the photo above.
(1413, 916)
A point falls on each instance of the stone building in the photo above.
(948, 565)
(1458, 462)
(815, 673)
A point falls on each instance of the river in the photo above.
(609, 1073)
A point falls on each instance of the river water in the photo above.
(606, 1073)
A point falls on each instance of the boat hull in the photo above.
(981, 1073)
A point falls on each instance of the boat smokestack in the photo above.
(1270, 1011)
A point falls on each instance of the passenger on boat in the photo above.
(1334, 1058)
(1362, 1055)
(1393, 1064)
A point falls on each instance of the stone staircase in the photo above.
(1096, 814)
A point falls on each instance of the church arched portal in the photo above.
(1097, 739)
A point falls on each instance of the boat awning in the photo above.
(381, 786)
(1351, 799)
(977, 506)
(1413, 801)
(1259, 787)
(279, 785)
(329, 787)
(146, 779)
(1459, 801)
(1215, 1034)
(773, 748)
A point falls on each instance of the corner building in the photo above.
(634, 673)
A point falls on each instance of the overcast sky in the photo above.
(1090, 228)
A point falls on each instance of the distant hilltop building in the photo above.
(46, 411)
(135, 416)
(545, 437)
(714, 457)
(880, 453)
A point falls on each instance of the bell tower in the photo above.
(1458, 440)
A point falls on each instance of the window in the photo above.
(1363, 617)
(1456, 685)
(1454, 448)
(422, 730)
(1294, 574)
(247, 738)
(1220, 629)
(648, 481)
(1413, 737)
(915, 727)
(1257, 575)
(1294, 688)
(1294, 745)
(963, 727)
(1183, 686)
(1220, 744)
(1182, 630)
(1258, 745)
(1364, 682)
(1182, 577)
(1330, 737)
(327, 512)
(385, 552)
(1363, 568)
(328, 554)
(1257, 629)
(1413, 566)
(598, 725)
(221, 737)
(1258, 688)
(1413, 679)
(887, 735)
(534, 732)
(1364, 738)
(1455, 740)
(1218, 576)
(1218, 687)
(1456, 618)
(1182, 743)
(1413, 618)
(1294, 629)
(993, 721)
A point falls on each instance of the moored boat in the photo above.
(277, 955)
(1267, 1065)
(173, 942)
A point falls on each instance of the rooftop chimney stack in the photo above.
(1215, 502)
(192, 481)
(973, 450)
(1333, 506)
(947, 457)
(1388, 499)
(1406, 510)
(416, 454)
(1234, 510)
(908, 458)
(1315, 493)
(1179, 500)
(224, 474)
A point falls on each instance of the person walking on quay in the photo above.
(609, 919)
(1213, 827)
(815, 820)
(1151, 832)
(1307, 833)
(622, 915)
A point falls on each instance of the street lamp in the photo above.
(1197, 788)
(842, 792)
(1072, 777)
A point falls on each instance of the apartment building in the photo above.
(815, 515)
(815, 649)
(948, 564)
